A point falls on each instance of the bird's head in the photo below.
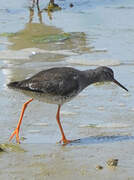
(106, 74)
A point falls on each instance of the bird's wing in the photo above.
(51, 82)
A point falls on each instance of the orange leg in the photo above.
(63, 140)
(16, 131)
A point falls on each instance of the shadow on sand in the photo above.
(102, 139)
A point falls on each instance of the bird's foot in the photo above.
(16, 132)
(66, 141)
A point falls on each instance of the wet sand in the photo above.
(101, 116)
(46, 161)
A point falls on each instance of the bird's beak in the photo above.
(116, 82)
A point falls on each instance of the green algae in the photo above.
(11, 147)
(1, 150)
(51, 38)
(44, 38)
(8, 34)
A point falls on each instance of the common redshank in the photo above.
(58, 86)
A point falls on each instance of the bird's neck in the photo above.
(93, 76)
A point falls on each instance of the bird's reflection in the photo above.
(49, 9)
(37, 34)
(32, 10)
(56, 39)
(31, 14)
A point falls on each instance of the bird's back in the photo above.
(63, 81)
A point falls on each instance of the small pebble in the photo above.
(1, 150)
(112, 162)
(71, 5)
(99, 167)
(33, 52)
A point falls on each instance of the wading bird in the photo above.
(58, 86)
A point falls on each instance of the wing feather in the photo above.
(53, 81)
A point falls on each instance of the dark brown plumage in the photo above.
(61, 84)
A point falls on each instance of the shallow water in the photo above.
(99, 33)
